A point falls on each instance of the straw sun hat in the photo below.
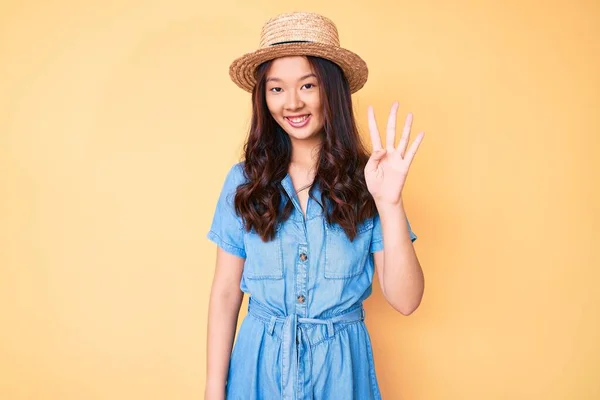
(299, 34)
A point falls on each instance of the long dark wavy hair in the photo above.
(340, 166)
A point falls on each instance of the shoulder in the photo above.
(235, 176)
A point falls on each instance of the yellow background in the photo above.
(118, 123)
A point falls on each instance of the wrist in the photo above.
(384, 207)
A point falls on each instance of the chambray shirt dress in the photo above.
(304, 336)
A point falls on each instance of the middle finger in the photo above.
(390, 137)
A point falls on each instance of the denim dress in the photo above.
(304, 336)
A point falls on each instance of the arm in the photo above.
(400, 274)
(399, 270)
(224, 306)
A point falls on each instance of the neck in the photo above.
(305, 155)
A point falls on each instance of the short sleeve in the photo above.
(377, 239)
(227, 229)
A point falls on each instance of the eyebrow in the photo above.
(311, 75)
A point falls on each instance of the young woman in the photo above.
(301, 225)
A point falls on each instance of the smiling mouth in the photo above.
(298, 122)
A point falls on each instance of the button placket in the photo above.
(301, 279)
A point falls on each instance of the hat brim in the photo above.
(355, 69)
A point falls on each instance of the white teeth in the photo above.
(297, 120)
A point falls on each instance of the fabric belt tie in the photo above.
(292, 338)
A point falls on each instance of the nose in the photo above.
(293, 101)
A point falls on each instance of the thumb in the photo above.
(378, 155)
(375, 159)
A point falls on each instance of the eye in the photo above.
(275, 90)
(309, 85)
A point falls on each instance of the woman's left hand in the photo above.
(387, 169)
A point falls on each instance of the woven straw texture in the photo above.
(299, 34)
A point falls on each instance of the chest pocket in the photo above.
(343, 258)
(264, 260)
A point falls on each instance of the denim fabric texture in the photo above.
(304, 336)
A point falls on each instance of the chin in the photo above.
(303, 134)
(307, 136)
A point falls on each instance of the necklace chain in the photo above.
(304, 187)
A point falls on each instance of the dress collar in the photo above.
(313, 209)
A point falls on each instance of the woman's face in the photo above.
(293, 99)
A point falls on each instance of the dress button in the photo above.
(301, 299)
(303, 257)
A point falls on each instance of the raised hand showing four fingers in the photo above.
(387, 169)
